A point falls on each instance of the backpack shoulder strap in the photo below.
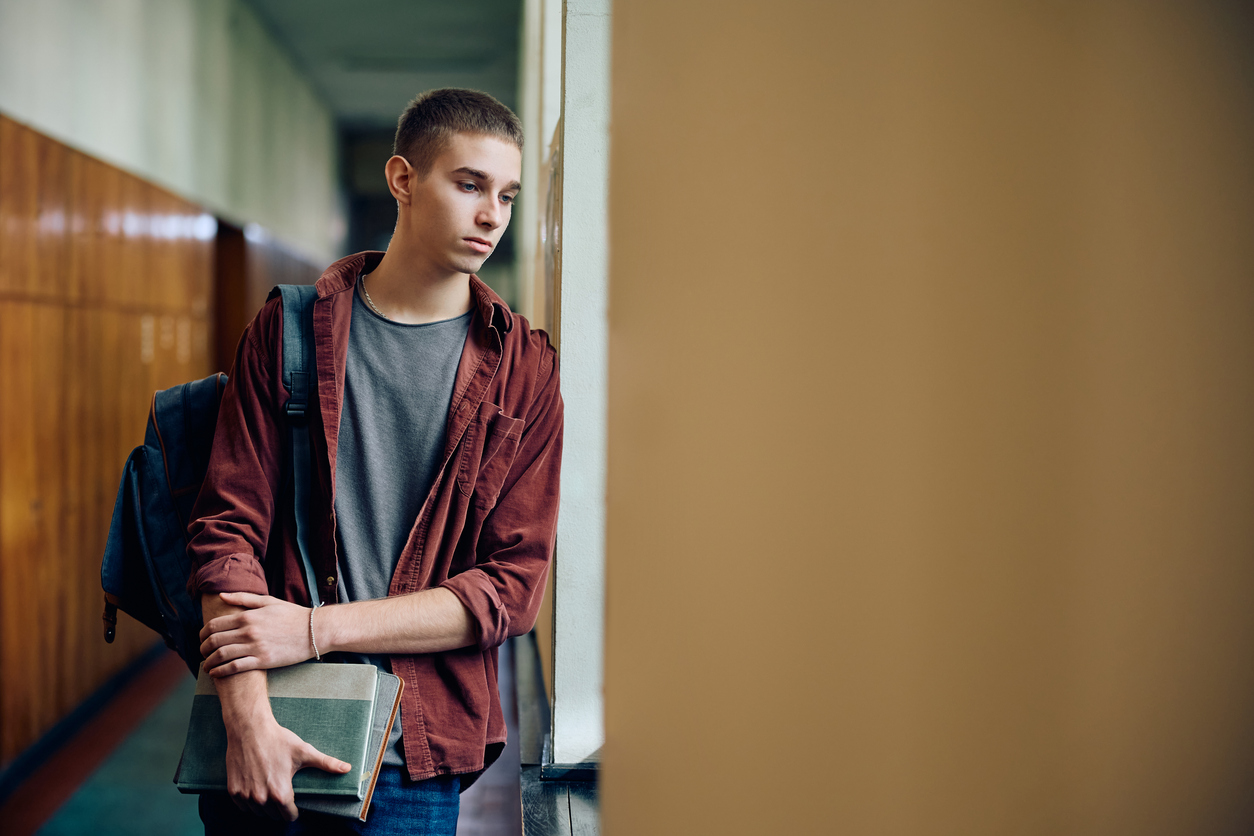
(299, 367)
(298, 345)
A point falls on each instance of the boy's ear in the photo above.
(400, 176)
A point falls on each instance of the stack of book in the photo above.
(342, 710)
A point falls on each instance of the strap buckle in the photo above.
(295, 411)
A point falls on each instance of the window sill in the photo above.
(556, 798)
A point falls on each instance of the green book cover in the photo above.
(386, 705)
(330, 706)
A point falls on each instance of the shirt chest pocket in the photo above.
(488, 450)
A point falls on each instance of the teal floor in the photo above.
(133, 793)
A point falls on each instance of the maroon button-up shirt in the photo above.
(485, 531)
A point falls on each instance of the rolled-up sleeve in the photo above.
(232, 515)
(504, 590)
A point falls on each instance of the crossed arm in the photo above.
(260, 631)
(245, 633)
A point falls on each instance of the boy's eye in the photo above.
(470, 185)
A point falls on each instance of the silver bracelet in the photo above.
(312, 640)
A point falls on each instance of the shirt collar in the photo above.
(343, 274)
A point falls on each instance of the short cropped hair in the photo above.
(430, 120)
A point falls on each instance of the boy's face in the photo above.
(462, 207)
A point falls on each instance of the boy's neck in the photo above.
(407, 288)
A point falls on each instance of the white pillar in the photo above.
(579, 591)
(527, 208)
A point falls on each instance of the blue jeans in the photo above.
(399, 806)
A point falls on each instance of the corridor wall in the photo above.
(931, 418)
(105, 284)
(247, 265)
(192, 95)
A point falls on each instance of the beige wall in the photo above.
(931, 419)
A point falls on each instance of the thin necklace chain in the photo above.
(371, 301)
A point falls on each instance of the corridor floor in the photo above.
(133, 791)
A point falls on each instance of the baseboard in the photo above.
(33, 756)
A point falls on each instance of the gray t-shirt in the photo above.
(397, 389)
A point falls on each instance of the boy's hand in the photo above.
(269, 633)
(261, 758)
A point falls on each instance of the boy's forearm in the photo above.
(429, 621)
(243, 695)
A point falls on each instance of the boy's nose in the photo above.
(491, 217)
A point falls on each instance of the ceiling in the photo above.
(368, 58)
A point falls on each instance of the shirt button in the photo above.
(330, 581)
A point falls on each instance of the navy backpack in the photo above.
(145, 567)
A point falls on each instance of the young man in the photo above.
(436, 431)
